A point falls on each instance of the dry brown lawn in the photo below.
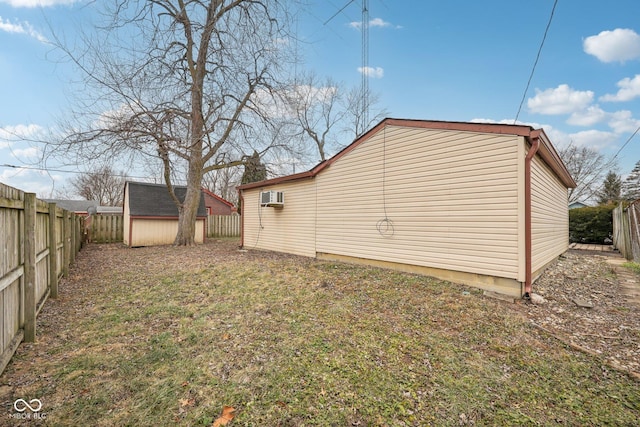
(168, 336)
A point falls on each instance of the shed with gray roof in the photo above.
(151, 215)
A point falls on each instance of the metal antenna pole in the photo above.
(365, 65)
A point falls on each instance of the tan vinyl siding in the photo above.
(288, 229)
(453, 198)
(150, 232)
(549, 215)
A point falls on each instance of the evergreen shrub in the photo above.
(591, 224)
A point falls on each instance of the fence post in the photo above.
(74, 237)
(53, 251)
(66, 243)
(29, 267)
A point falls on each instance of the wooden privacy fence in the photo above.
(39, 242)
(109, 228)
(223, 226)
(105, 228)
(626, 230)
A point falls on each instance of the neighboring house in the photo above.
(216, 205)
(479, 204)
(79, 207)
(578, 205)
(151, 215)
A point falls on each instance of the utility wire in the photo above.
(625, 144)
(524, 95)
(5, 165)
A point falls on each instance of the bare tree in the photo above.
(103, 185)
(316, 110)
(178, 81)
(588, 169)
(223, 182)
(326, 114)
(354, 118)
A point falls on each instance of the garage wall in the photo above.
(549, 215)
(451, 198)
(288, 229)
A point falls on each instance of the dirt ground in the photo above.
(609, 329)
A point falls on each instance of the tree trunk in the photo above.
(187, 219)
(189, 210)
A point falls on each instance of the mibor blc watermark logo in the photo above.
(28, 410)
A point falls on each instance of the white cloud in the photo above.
(379, 22)
(629, 89)
(621, 45)
(9, 134)
(592, 138)
(21, 28)
(588, 117)
(37, 3)
(375, 22)
(29, 152)
(375, 72)
(6, 174)
(561, 100)
(623, 122)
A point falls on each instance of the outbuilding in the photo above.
(151, 215)
(474, 203)
(216, 205)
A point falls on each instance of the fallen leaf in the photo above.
(187, 402)
(226, 417)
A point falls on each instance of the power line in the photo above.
(524, 95)
(625, 144)
(5, 165)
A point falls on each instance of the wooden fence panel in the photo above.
(11, 272)
(106, 228)
(34, 238)
(223, 226)
(626, 231)
(633, 212)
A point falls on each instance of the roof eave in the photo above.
(548, 153)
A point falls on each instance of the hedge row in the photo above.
(591, 224)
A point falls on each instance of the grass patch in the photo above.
(291, 341)
(633, 266)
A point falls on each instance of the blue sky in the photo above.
(458, 60)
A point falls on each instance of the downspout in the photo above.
(535, 144)
(242, 206)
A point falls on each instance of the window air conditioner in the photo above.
(272, 198)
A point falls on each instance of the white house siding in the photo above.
(150, 232)
(288, 229)
(453, 198)
(549, 215)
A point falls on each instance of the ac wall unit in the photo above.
(272, 198)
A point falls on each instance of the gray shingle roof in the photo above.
(73, 205)
(154, 200)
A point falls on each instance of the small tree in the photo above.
(254, 170)
(611, 191)
(587, 167)
(631, 186)
(104, 186)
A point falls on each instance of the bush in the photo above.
(591, 225)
